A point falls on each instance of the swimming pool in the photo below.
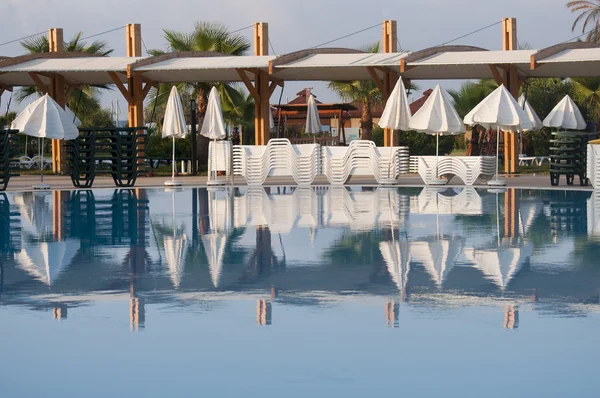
(287, 291)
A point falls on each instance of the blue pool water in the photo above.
(300, 292)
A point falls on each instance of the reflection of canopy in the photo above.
(46, 260)
(35, 210)
(500, 265)
(397, 258)
(214, 247)
(176, 252)
(437, 255)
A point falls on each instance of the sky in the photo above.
(292, 25)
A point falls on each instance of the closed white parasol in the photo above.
(174, 126)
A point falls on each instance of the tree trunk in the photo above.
(202, 145)
(366, 122)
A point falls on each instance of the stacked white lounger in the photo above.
(467, 168)
(593, 165)
(363, 158)
(278, 158)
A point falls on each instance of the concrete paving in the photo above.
(26, 182)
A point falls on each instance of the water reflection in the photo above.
(420, 247)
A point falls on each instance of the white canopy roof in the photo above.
(531, 115)
(174, 124)
(437, 115)
(499, 110)
(396, 114)
(565, 115)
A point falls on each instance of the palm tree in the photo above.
(240, 111)
(470, 94)
(587, 92)
(589, 14)
(83, 101)
(206, 36)
(363, 93)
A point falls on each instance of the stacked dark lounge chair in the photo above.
(113, 151)
(568, 156)
(6, 146)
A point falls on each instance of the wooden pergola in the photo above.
(58, 73)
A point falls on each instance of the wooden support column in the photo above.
(57, 92)
(262, 128)
(135, 109)
(389, 40)
(513, 84)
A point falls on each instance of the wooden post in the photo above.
(389, 42)
(135, 109)
(512, 83)
(56, 44)
(261, 84)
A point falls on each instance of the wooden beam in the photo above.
(39, 83)
(69, 91)
(55, 75)
(376, 80)
(248, 84)
(272, 88)
(146, 89)
(4, 87)
(496, 74)
(121, 87)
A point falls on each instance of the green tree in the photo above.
(206, 36)
(470, 94)
(586, 93)
(6, 120)
(589, 16)
(84, 102)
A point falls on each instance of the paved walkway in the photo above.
(25, 183)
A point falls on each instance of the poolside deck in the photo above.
(24, 183)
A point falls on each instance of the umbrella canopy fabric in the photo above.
(396, 114)
(72, 116)
(47, 260)
(313, 122)
(174, 124)
(397, 258)
(565, 115)
(533, 117)
(214, 247)
(44, 118)
(213, 126)
(437, 115)
(176, 253)
(499, 110)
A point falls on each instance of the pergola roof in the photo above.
(77, 69)
(445, 62)
(199, 67)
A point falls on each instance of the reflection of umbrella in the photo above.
(46, 260)
(44, 118)
(313, 122)
(213, 126)
(175, 250)
(214, 247)
(397, 258)
(36, 211)
(500, 265)
(396, 114)
(438, 255)
(174, 126)
(438, 116)
(499, 110)
(565, 115)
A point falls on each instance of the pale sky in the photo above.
(293, 25)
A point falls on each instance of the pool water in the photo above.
(296, 292)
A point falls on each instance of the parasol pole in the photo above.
(437, 152)
(497, 149)
(173, 163)
(42, 162)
